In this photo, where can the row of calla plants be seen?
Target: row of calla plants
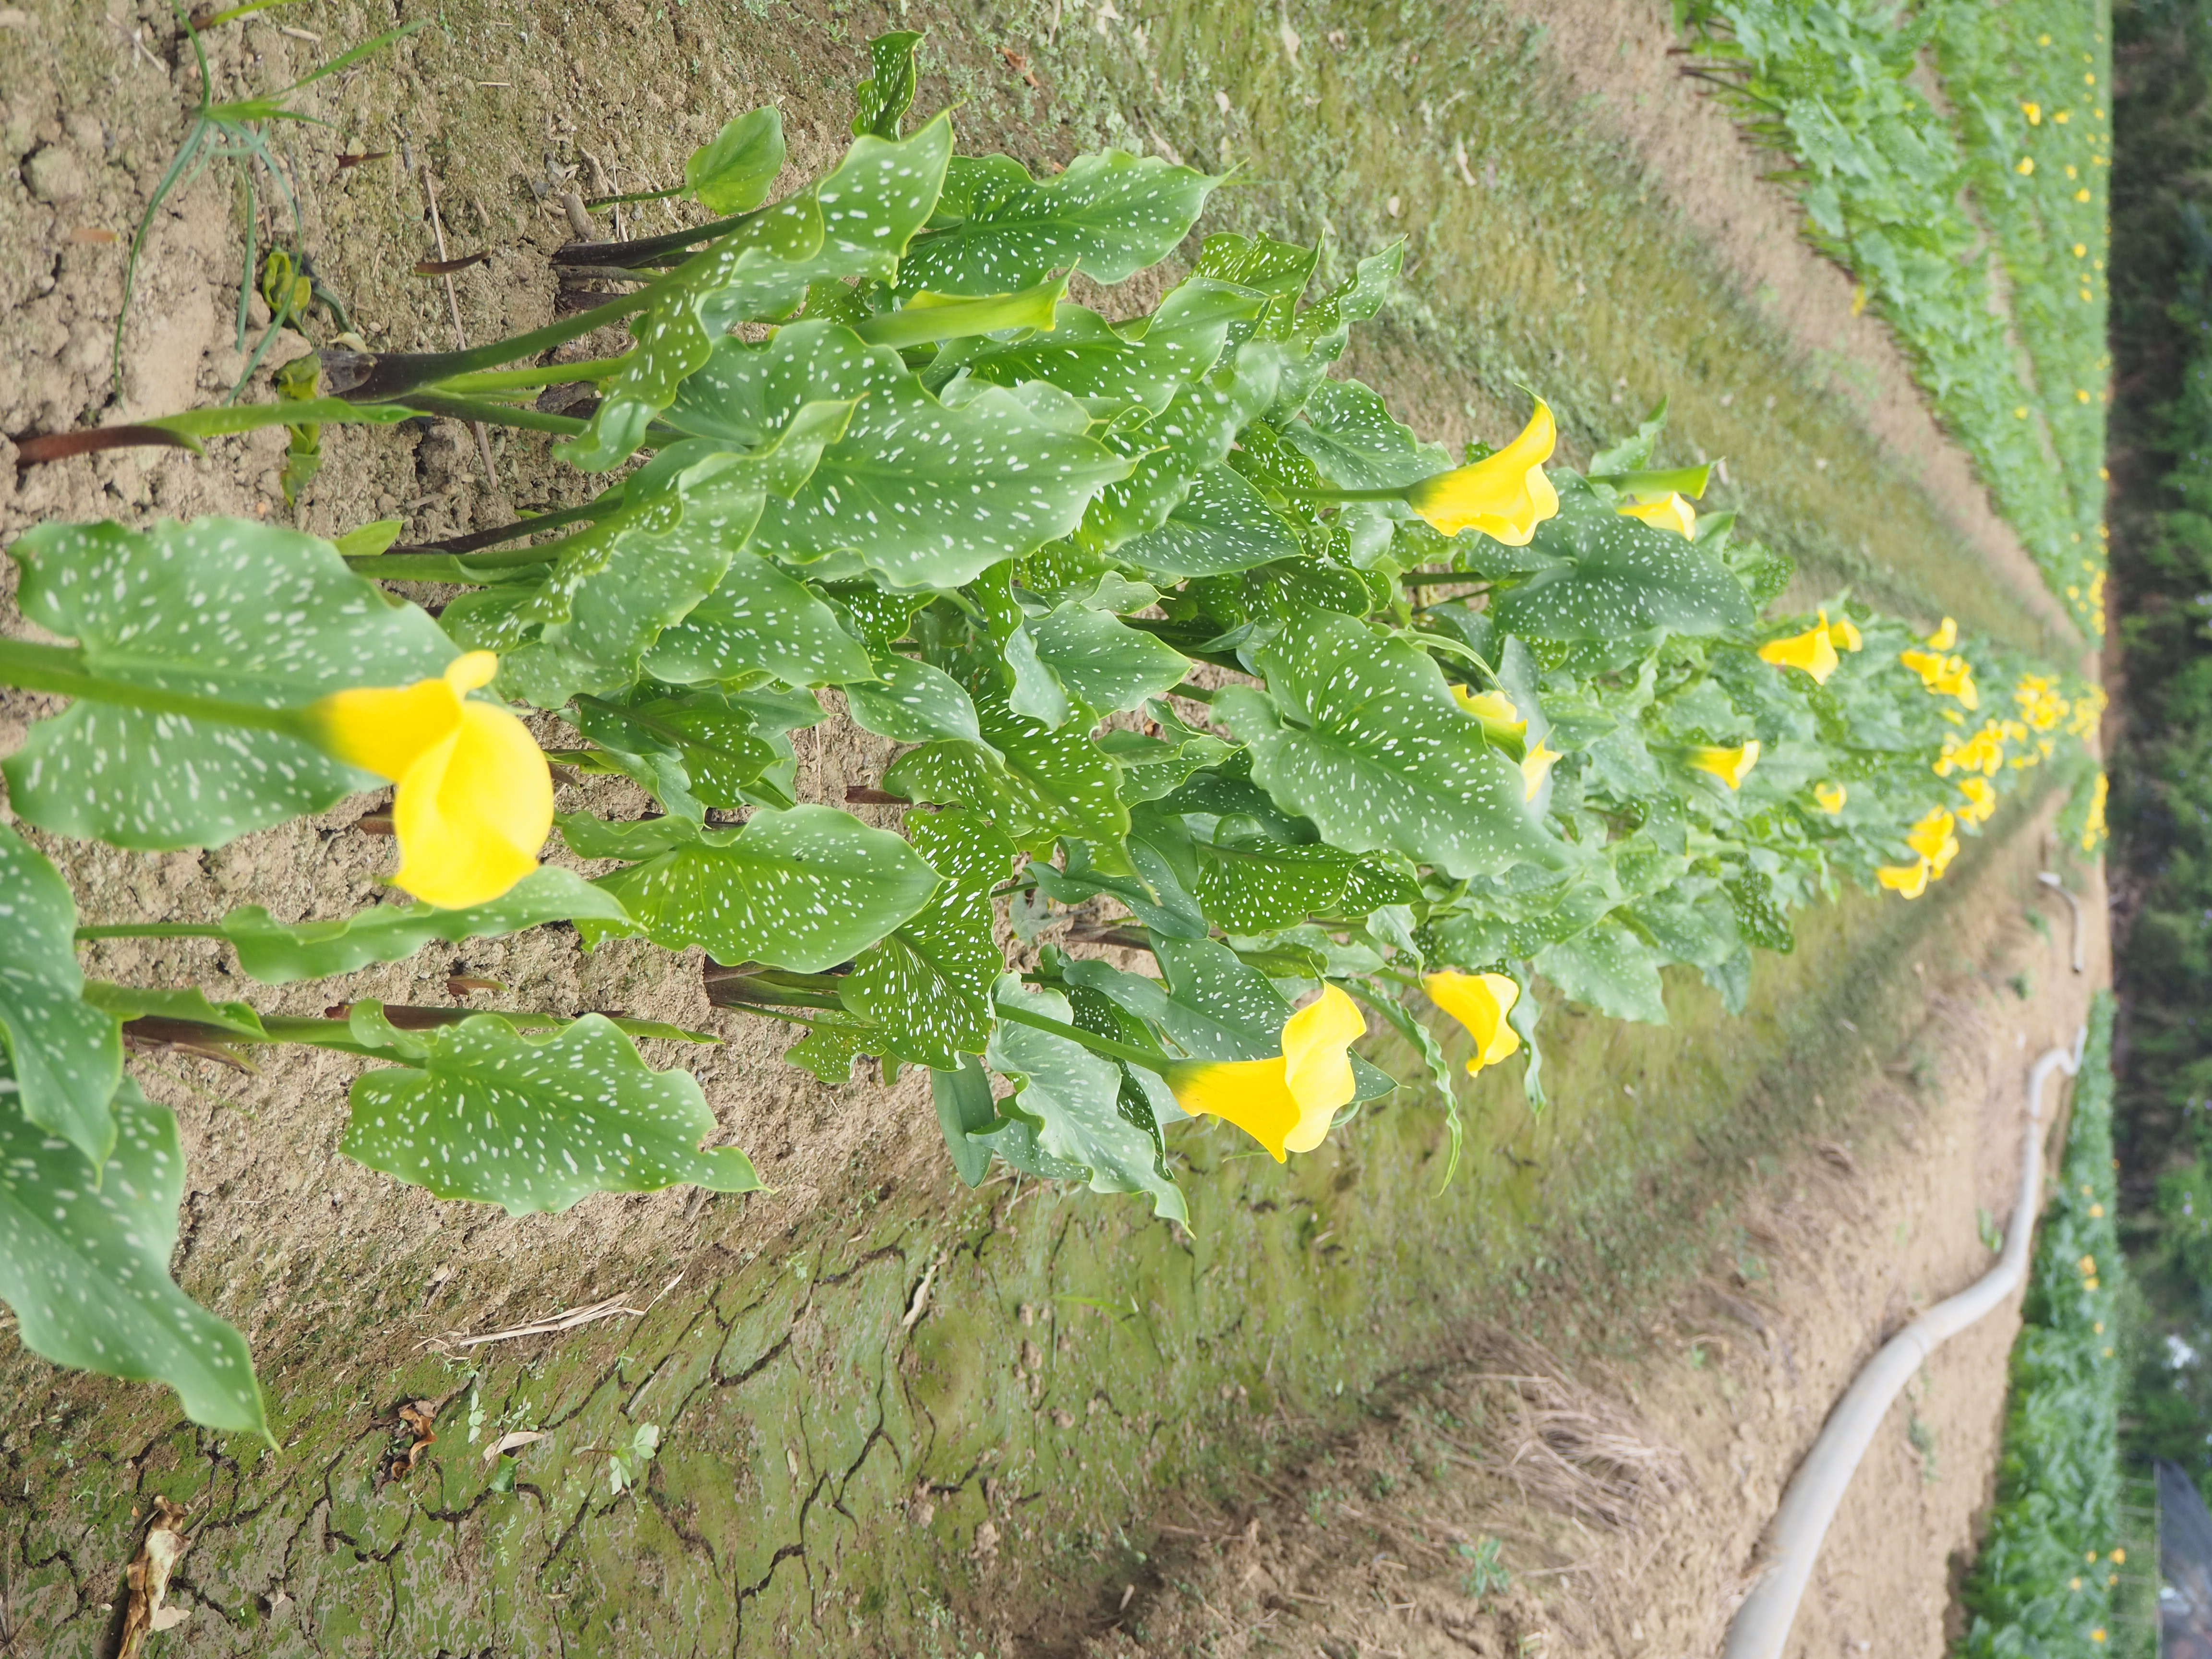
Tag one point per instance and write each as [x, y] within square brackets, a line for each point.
[1917, 200]
[1185, 646]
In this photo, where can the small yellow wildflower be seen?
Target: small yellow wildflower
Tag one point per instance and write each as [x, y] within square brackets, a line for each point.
[1481, 1002]
[1505, 495]
[2088, 1265]
[1286, 1104]
[475, 800]
[2024, 166]
[1730, 766]
[2034, 114]
[2094, 827]
[1832, 797]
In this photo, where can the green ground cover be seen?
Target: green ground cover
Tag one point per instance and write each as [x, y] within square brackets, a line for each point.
[2051, 1560]
[1961, 219]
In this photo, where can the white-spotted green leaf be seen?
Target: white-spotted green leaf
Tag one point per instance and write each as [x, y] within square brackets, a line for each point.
[1195, 431]
[84, 1261]
[1106, 665]
[1377, 753]
[1088, 357]
[1110, 214]
[695, 749]
[1071, 1098]
[1611, 970]
[250, 613]
[912, 702]
[759, 620]
[886, 96]
[1046, 781]
[925, 495]
[1221, 525]
[804, 889]
[1253, 885]
[647, 566]
[534, 1123]
[734, 172]
[856, 223]
[928, 988]
[279, 953]
[1623, 581]
[65, 1057]
[1351, 437]
[1323, 329]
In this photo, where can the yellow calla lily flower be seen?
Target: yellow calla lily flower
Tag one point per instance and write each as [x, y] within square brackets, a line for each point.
[1842, 634]
[1536, 765]
[1730, 766]
[1944, 637]
[1505, 495]
[1813, 651]
[1944, 676]
[1935, 838]
[1481, 1002]
[475, 800]
[1499, 714]
[1905, 880]
[1673, 514]
[1981, 799]
[1286, 1104]
[1832, 797]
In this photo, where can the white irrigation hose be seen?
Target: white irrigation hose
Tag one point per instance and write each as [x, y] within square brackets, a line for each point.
[1761, 1625]
[2072, 904]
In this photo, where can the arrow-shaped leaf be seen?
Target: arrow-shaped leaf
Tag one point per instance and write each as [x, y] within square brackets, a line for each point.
[804, 890]
[928, 988]
[533, 1124]
[84, 1261]
[1071, 1099]
[1110, 214]
[64, 1056]
[247, 612]
[1366, 741]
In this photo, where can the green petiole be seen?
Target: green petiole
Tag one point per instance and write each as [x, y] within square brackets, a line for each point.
[526, 380]
[60, 669]
[1097, 1045]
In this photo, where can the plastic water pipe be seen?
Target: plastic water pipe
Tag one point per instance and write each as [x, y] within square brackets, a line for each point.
[1761, 1625]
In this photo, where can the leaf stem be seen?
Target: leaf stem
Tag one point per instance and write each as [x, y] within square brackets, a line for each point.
[152, 930]
[493, 414]
[1107, 1046]
[543, 374]
[370, 378]
[60, 669]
